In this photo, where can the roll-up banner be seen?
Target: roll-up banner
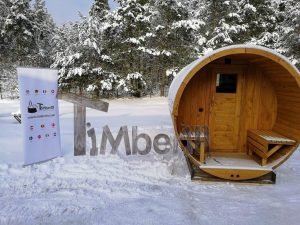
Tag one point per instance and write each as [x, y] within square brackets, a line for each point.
[39, 114]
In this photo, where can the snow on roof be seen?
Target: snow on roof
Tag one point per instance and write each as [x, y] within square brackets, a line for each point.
[186, 70]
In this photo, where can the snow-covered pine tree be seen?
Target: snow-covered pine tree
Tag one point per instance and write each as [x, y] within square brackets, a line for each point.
[84, 61]
[260, 17]
[3, 59]
[225, 25]
[135, 84]
[128, 28]
[173, 38]
[44, 31]
[71, 61]
[289, 34]
[99, 9]
[198, 13]
[4, 10]
[16, 41]
[18, 31]
[97, 37]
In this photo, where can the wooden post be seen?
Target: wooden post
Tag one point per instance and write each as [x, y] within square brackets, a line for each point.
[80, 104]
[84, 101]
[79, 130]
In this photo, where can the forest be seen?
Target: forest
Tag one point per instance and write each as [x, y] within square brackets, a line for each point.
[137, 49]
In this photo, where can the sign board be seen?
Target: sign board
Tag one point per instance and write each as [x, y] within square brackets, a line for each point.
[40, 115]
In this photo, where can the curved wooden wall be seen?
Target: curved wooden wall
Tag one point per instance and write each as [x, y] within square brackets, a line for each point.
[276, 75]
[258, 98]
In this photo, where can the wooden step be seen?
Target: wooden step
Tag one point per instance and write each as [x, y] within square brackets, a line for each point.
[198, 174]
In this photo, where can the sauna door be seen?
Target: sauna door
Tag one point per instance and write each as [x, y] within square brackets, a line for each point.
[225, 110]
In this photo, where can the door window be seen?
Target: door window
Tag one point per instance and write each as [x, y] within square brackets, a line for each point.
[226, 83]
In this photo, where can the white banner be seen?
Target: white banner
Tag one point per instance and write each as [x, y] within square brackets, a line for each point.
[39, 114]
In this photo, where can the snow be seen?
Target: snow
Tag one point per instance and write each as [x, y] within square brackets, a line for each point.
[154, 52]
[194, 24]
[226, 3]
[75, 71]
[159, 27]
[172, 72]
[106, 85]
[132, 40]
[122, 85]
[134, 76]
[91, 88]
[250, 7]
[234, 15]
[21, 17]
[119, 189]
[98, 70]
[106, 58]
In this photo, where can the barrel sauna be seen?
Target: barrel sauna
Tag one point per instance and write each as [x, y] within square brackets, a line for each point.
[236, 111]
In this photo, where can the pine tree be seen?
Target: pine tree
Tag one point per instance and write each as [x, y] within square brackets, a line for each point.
[18, 30]
[4, 74]
[175, 37]
[4, 10]
[127, 31]
[260, 17]
[71, 61]
[44, 31]
[225, 25]
[99, 9]
[84, 62]
[289, 16]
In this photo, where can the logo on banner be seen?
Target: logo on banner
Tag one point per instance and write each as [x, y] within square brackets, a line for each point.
[32, 108]
[45, 107]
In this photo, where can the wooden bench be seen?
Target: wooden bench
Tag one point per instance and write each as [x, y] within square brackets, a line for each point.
[196, 138]
[264, 143]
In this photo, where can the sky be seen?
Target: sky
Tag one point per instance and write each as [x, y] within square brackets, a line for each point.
[64, 11]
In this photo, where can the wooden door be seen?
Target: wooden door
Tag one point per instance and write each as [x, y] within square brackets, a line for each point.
[225, 110]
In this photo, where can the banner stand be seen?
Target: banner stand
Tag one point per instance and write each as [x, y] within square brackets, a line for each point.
[40, 115]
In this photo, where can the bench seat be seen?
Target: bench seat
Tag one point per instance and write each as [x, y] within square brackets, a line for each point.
[264, 143]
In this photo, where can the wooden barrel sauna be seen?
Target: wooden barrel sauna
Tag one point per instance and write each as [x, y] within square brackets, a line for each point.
[236, 111]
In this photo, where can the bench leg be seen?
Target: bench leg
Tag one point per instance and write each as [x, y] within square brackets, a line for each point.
[263, 161]
[202, 152]
[250, 152]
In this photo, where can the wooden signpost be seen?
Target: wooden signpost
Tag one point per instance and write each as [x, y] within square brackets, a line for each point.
[80, 104]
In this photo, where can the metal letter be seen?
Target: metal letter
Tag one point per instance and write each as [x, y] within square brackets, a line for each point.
[123, 132]
[135, 139]
[166, 143]
[92, 135]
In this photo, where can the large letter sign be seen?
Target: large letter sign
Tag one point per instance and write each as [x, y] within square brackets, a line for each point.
[39, 111]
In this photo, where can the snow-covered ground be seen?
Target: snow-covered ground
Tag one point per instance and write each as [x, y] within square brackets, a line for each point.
[120, 189]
